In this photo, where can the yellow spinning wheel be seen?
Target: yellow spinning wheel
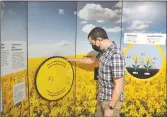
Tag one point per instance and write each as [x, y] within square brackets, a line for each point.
[54, 78]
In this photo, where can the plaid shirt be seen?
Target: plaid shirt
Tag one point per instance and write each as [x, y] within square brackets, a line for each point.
[111, 65]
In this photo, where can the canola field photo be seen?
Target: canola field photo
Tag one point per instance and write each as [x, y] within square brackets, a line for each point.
[142, 98]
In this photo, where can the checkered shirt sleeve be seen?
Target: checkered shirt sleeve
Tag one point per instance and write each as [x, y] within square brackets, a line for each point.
[117, 66]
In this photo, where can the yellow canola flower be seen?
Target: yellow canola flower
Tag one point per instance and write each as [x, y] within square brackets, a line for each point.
[147, 59]
[135, 59]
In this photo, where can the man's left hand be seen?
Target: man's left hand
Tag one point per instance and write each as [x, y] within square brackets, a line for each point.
[108, 112]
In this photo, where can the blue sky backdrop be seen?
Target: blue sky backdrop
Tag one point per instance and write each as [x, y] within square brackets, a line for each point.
[54, 26]
[51, 28]
[14, 21]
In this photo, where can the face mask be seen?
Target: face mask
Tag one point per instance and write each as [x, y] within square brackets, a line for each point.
[96, 48]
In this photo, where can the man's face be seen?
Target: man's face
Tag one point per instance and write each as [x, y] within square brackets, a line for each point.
[93, 42]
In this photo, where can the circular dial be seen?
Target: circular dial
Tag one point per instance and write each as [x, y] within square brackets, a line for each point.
[54, 78]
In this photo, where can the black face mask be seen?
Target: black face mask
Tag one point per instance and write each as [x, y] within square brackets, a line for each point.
[96, 48]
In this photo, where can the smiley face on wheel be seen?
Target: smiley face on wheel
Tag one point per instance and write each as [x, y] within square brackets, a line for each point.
[54, 78]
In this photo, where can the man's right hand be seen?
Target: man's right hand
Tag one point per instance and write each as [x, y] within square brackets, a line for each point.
[71, 59]
[82, 60]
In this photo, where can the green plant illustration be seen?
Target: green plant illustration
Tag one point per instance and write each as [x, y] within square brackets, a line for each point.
[148, 63]
[136, 61]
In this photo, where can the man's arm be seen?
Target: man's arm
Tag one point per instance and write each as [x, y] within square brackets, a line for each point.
[118, 82]
[118, 64]
[88, 60]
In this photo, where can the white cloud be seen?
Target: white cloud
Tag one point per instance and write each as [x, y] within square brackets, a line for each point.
[154, 11]
[141, 31]
[63, 43]
[124, 14]
[123, 20]
[61, 11]
[126, 4]
[128, 11]
[84, 22]
[118, 5]
[100, 21]
[11, 12]
[114, 29]
[87, 28]
[97, 12]
[128, 14]
[63, 48]
[139, 25]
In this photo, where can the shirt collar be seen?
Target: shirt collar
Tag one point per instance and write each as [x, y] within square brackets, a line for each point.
[113, 45]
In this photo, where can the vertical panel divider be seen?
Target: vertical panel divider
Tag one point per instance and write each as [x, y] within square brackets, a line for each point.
[166, 60]
[75, 98]
[0, 58]
[121, 26]
[27, 65]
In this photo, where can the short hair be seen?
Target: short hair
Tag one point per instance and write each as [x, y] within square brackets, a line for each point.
[97, 32]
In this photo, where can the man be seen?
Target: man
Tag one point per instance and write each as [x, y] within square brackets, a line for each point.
[110, 74]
